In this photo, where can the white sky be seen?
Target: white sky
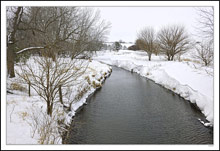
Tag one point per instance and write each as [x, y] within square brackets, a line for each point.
[127, 21]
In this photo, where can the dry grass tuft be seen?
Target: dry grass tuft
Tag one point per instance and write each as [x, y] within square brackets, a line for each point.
[16, 86]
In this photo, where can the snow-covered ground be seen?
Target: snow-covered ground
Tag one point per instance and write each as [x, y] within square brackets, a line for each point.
[27, 115]
[188, 77]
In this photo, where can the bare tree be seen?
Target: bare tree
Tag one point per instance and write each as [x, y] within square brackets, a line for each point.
[146, 40]
[93, 31]
[47, 76]
[54, 29]
[205, 29]
[173, 40]
[205, 21]
[204, 52]
[59, 26]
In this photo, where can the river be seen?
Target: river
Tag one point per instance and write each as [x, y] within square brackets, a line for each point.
[130, 109]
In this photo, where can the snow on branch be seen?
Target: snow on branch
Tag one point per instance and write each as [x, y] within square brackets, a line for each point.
[29, 48]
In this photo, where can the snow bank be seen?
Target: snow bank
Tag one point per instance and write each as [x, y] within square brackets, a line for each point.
[90, 81]
[188, 79]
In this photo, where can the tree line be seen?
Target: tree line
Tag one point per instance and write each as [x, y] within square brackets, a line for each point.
[170, 40]
[53, 30]
[173, 40]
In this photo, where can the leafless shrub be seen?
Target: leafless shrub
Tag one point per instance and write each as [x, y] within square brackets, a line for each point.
[46, 126]
[204, 52]
[46, 76]
[17, 86]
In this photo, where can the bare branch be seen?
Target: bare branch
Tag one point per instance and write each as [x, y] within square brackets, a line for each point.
[205, 27]
[29, 48]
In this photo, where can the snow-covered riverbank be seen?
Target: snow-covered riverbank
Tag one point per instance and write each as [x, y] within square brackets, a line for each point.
[188, 78]
[25, 113]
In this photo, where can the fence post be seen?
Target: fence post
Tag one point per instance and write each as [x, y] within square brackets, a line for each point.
[60, 93]
[29, 88]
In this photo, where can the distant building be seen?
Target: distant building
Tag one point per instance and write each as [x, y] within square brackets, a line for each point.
[133, 47]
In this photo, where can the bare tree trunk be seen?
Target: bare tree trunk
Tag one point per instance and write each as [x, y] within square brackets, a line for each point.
[168, 57]
[49, 108]
[60, 93]
[172, 57]
[11, 42]
[149, 57]
[29, 88]
[10, 60]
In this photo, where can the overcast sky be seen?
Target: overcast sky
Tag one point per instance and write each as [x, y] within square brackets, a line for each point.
[127, 21]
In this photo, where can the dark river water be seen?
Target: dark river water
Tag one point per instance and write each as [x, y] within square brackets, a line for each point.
[130, 109]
